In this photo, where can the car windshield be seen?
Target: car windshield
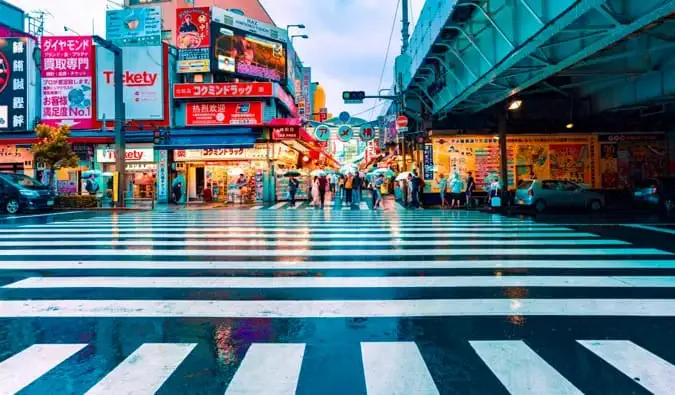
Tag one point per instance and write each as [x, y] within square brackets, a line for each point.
[525, 184]
[22, 181]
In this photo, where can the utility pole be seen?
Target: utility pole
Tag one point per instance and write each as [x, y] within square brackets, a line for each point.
[405, 30]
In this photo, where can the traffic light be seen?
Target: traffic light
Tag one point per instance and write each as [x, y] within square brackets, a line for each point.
[353, 96]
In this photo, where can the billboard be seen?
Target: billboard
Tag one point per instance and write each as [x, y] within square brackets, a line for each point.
[247, 24]
[193, 39]
[135, 26]
[13, 84]
[143, 83]
[218, 114]
[246, 54]
[222, 90]
[66, 73]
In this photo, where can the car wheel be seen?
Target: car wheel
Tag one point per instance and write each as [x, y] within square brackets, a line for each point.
[595, 205]
[12, 206]
[540, 206]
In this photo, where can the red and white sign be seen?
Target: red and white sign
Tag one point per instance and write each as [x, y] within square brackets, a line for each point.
[228, 114]
[402, 121]
[217, 91]
[258, 152]
[132, 154]
[66, 81]
[286, 133]
[287, 100]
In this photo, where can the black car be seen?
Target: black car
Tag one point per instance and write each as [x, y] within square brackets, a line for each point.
[22, 193]
[657, 193]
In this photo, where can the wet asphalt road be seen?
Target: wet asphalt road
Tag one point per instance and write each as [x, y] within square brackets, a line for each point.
[279, 301]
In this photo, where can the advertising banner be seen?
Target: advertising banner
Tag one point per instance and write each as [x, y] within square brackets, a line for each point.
[223, 90]
[132, 154]
[232, 113]
[247, 24]
[13, 84]
[258, 152]
[287, 100]
[163, 176]
[143, 83]
[193, 39]
[135, 26]
[626, 159]
[286, 133]
[428, 162]
[247, 54]
[66, 81]
[13, 154]
[306, 87]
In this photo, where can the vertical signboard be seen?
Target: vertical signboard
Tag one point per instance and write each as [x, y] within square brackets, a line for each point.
[193, 38]
[428, 162]
[135, 26]
[66, 81]
[307, 91]
[163, 177]
[13, 84]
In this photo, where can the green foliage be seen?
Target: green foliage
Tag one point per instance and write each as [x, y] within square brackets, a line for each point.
[52, 150]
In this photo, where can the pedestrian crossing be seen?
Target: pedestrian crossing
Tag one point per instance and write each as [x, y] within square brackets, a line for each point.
[405, 298]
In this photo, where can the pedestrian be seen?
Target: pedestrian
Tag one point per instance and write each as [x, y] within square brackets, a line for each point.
[242, 186]
[323, 183]
[443, 184]
[293, 185]
[470, 186]
[349, 184]
[405, 192]
[315, 192]
[341, 187]
[177, 192]
[333, 181]
[378, 185]
[494, 197]
[456, 188]
[414, 189]
[357, 185]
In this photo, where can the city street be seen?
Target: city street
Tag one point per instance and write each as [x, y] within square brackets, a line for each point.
[281, 301]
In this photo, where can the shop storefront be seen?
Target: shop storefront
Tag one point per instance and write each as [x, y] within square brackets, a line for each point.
[69, 180]
[15, 159]
[140, 173]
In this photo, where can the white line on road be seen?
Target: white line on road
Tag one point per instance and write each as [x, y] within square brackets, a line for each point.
[278, 206]
[41, 215]
[271, 369]
[395, 368]
[257, 207]
[303, 252]
[297, 229]
[144, 371]
[643, 367]
[27, 366]
[521, 370]
[395, 242]
[652, 228]
[336, 265]
[344, 282]
[337, 308]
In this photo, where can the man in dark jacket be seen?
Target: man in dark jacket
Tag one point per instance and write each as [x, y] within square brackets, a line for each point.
[357, 185]
[323, 184]
[415, 185]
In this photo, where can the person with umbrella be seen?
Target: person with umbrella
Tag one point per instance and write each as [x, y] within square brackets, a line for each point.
[293, 185]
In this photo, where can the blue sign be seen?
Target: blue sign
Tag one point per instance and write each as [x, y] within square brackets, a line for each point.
[428, 162]
[322, 133]
[367, 133]
[344, 117]
[345, 133]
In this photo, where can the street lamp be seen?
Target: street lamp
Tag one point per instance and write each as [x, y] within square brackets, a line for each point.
[299, 26]
[299, 36]
[67, 29]
[515, 105]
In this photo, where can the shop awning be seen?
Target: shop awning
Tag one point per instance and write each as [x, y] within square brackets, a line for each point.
[203, 139]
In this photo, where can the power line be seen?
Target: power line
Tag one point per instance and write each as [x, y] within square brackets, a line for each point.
[386, 54]
[369, 109]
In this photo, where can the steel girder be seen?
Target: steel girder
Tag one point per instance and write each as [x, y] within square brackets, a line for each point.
[510, 45]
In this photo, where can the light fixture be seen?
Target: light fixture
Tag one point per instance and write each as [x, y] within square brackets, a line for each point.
[515, 105]
[299, 36]
[569, 125]
[305, 159]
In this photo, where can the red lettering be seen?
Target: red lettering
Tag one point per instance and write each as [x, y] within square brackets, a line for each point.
[132, 79]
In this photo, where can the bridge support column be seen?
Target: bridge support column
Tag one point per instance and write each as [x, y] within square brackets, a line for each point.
[503, 168]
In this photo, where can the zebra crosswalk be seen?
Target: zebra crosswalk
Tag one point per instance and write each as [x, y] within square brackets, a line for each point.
[299, 301]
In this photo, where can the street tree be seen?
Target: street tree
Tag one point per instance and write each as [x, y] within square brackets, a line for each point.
[52, 150]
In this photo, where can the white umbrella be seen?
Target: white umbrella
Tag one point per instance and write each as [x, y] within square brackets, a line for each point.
[318, 173]
[403, 176]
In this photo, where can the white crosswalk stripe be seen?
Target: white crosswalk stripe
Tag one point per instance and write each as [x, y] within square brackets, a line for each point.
[418, 264]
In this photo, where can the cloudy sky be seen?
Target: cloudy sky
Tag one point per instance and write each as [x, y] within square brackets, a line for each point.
[346, 49]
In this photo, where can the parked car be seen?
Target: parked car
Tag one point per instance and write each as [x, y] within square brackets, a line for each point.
[542, 194]
[657, 193]
[22, 193]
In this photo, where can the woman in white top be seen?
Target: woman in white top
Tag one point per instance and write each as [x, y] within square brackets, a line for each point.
[315, 193]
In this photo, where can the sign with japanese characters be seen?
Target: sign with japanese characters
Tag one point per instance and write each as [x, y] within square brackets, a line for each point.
[163, 176]
[322, 132]
[143, 83]
[367, 133]
[259, 152]
[428, 161]
[140, 26]
[66, 81]
[223, 90]
[13, 84]
[286, 133]
[13, 154]
[231, 114]
[345, 133]
[287, 100]
[193, 39]
[306, 88]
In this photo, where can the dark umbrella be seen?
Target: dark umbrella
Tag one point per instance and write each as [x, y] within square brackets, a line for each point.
[292, 173]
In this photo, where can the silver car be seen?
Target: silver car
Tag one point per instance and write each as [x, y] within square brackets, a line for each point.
[541, 194]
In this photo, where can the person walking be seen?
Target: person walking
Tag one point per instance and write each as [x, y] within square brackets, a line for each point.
[341, 187]
[470, 186]
[378, 183]
[443, 184]
[323, 183]
[349, 184]
[414, 189]
[293, 185]
[494, 198]
[456, 188]
[242, 186]
[315, 192]
[357, 185]
[333, 181]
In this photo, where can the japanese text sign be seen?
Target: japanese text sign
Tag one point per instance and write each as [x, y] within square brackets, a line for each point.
[66, 81]
[259, 152]
[345, 133]
[13, 84]
[193, 39]
[322, 132]
[222, 90]
[13, 154]
[232, 113]
[286, 133]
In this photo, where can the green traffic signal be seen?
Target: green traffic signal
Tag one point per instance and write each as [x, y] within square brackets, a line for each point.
[353, 95]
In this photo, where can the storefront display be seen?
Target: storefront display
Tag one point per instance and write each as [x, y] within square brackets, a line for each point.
[15, 160]
[140, 169]
[628, 158]
[222, 181]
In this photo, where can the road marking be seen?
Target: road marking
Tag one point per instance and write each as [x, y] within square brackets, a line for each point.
[395, 368]
[364, 206]
[40, 215]
[393, 243]
[318, 222]
[21, 369]
[520, 369]
[337, 308]
[651, 372]
[271, 369]
[399, 206]
[652, 228]
[303, 236]
[297, 228]
[329, 253]
[278, 206]
[337, 265]
[297, 206]
[145, 370]
[345, 282]
[257, 207]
